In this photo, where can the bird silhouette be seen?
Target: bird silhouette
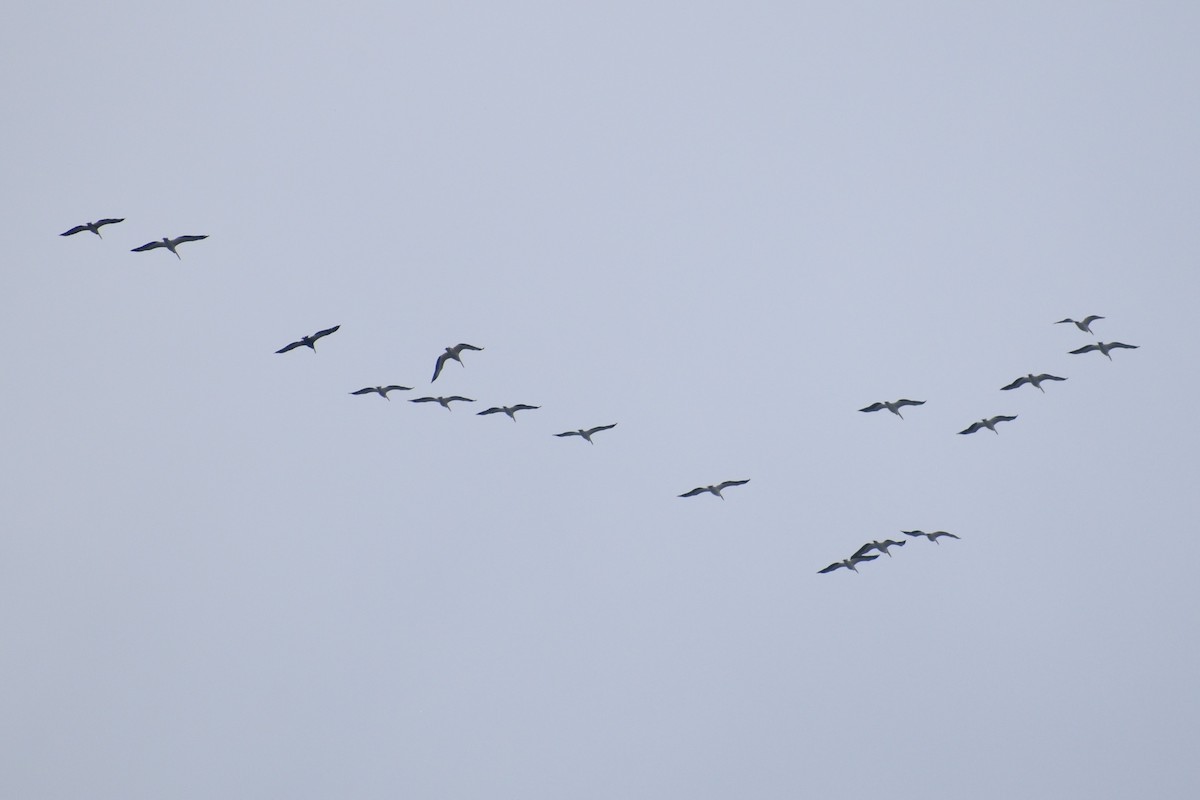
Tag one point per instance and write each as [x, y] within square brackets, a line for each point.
[308, 341]
[1033, 380]
[451, 353]
[1104, 347]
[94, 227]
[893, 406]
[443, 401]
[932, 536]
[848, 563]
[382, 391]
[989, 423]
[1084, 324]
[587, 434]
[714, 489]
[170, 244]
[511, 411]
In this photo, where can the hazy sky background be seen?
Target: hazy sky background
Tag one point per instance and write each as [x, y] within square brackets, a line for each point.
[724, 226]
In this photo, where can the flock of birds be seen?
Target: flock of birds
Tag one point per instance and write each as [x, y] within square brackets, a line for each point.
[454, 353]
[862, 554]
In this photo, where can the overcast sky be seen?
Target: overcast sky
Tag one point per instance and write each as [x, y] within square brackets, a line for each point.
[725, 227]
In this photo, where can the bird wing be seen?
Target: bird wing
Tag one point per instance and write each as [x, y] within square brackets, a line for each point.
[456, 397]
[1090, 319]
[909, 403]
[523, 407]
[831, 567]
[147, 246]
[1003, 419]
[437, 369]
[866, 548]
[74, 230]
[100, 222]
[1087, 348]
[291, 346]
[182, 239]
[727, 484]
[1018, 382]
[913, 533]
[601, 428]
[387, 389]
[864, 558]
[890, 542]
[319, 334]
[974, 426]
[694, 492]
[425, 400]
[939, 534]
[1048, 377]
[492, 410]
[1122, 344]
[1061, 321]
[464, 346]
[873, 407]
[569, 433]
[367, 390]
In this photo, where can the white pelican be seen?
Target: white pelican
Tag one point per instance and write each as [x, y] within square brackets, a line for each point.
[308, 341]
[443, 401]
[893, 406]
[933, 537]
[714, 489]
[511, 411]
[382, 391]
[1104, 347]
[880, 546]
[170, 244]
[94, 227]
[451, 352]
[1034, 380]
[848, 563]
[1084, 324]
[989, 423]
[587, 434]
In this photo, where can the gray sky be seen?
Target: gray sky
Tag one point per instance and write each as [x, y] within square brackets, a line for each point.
[725, 227]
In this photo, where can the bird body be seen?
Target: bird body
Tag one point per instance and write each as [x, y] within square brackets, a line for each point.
[382, 391]
[451, 353]
[587, 434]
[309, 341]
[94, 227]
[1034, 380]
[880, 546]
[170, 244]
[893, 406]
[511, 411]
[714, 489]
[1104, 347]
[1084, 324]
[932, 536]
[443, 401]
[848, 563]
[989, 423]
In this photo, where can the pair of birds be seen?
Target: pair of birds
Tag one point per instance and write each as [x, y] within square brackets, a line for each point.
[1104, 348]
[166, 242]
[990, 423]
[860, 555]
[454, 353]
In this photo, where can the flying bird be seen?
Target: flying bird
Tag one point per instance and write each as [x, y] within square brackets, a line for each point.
[94, 227]
[933, 537]
[880, 546]
[989, 423]
[1034, 380]
[443, 401]
[382, 391]
[308, 341]
[893, 406]
[1104, 347]
[511, 411]
[451, 352]
[170, 244]
[587, 434]
[714, 489]
[848, 563]
[1084, 324]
